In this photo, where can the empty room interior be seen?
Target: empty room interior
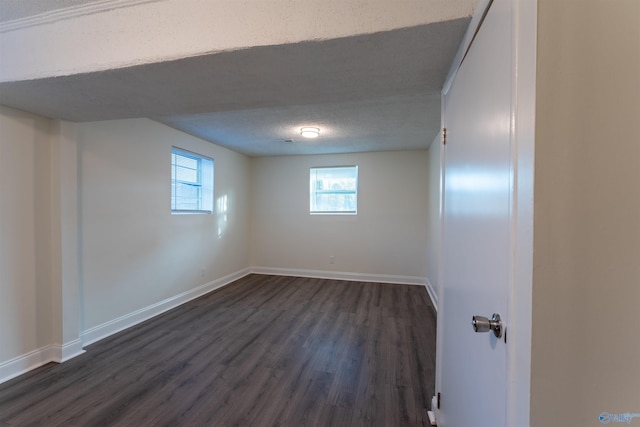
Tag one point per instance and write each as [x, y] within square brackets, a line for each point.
[319, 213]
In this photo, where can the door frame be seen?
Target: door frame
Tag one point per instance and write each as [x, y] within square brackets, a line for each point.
[523, 79]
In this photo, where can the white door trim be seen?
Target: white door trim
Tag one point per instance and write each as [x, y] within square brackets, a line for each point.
[524, 21]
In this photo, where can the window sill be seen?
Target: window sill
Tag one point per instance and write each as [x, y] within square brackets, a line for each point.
[191, 212]
[334, 213]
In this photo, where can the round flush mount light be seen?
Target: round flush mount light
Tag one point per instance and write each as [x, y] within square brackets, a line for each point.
[309, 132]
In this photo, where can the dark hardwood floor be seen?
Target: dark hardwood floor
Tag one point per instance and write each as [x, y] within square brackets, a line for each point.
[263, 351]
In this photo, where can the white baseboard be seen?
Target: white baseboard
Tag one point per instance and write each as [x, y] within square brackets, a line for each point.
[106, 329]
[26, 362]
[62, 353]
[432, 294]
[34, 359]
[341, 275]
[111, 327]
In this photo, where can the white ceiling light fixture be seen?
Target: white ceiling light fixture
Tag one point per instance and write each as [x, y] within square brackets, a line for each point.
[309, 132]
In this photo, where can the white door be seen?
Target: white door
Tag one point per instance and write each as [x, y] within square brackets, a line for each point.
[476, 228]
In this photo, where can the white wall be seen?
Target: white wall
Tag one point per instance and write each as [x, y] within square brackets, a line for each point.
[64, 240]
[586, 290]
[134, 253]
[25, 234]
[434, 229]
[387, 237]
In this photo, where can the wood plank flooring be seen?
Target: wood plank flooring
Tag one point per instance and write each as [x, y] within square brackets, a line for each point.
[263, 351]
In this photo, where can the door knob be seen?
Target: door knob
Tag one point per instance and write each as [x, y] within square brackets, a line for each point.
[482, 324]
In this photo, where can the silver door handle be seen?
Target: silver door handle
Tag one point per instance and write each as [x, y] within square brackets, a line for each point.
[482, 324]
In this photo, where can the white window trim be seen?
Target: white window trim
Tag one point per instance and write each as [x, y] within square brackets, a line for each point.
[206, 188]
[340, 213]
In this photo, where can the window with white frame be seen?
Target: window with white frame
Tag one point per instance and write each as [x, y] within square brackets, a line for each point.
[333, 190]
[191, 182]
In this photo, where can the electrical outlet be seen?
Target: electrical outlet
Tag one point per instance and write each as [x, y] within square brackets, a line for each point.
[332, 260]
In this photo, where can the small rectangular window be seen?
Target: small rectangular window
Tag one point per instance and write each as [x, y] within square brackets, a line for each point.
[191, 182]
[333, 190]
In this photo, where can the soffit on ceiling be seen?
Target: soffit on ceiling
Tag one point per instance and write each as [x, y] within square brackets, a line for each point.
[374, 92]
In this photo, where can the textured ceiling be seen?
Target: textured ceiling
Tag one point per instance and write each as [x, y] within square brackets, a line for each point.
[399, 122]
[375, 92]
